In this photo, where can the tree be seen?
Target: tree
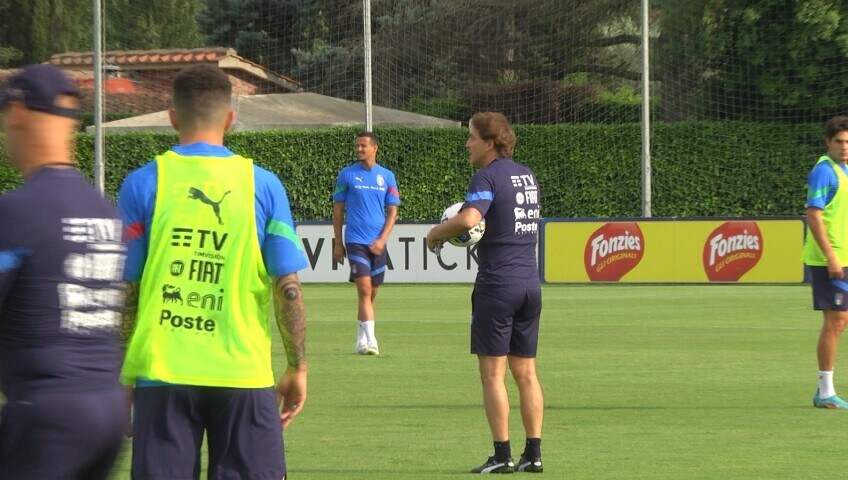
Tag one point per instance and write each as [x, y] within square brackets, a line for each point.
[40, 28]
[426, 51]
[9, 55]
[33, 30]
[265, 31]
[441, 47]
[152, 24]
[752, 59]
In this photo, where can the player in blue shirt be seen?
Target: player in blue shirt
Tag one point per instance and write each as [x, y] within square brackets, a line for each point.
[367, 194]
[243, 424]
[826, 253]
[61, 295]
[506, 303]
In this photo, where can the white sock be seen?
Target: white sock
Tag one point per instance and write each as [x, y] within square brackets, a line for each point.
[368, 325]
[361, 335]
[826, 384]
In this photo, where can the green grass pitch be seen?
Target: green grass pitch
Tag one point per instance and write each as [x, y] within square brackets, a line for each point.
[641, 382]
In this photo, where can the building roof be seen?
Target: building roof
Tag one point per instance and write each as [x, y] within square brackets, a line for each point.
[170, 59]
[289, 111]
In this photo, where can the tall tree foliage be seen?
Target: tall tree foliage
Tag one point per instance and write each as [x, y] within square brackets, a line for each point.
[40, 28]
[152, 24]
[265, 31]
[33, 30]
[426, 47]
[753, 59]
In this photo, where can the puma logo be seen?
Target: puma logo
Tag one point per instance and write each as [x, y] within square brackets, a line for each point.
[197, 194]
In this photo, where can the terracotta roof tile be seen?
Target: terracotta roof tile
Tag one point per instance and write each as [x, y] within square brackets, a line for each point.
[119, 57]
[169, 59]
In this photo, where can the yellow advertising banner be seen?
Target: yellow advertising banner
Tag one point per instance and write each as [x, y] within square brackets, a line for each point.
[695, 251]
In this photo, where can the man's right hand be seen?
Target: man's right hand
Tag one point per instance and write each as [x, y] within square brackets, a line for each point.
[129, 395]
[339, 253]
[291, 394]
[834, 269]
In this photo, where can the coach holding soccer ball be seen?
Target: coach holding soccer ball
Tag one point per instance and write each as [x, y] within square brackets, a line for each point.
[507, 300]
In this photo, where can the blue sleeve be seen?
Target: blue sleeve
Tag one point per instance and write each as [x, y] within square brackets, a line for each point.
[821, 186]
[480, 193]
[282, 250]
[340, 192]
[136, 201]
[392, 192]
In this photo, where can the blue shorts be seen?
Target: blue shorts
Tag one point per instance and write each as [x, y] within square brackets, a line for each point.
[51, 436]
[829, 293]
[242, 428]
[363, 263]
[505, 320]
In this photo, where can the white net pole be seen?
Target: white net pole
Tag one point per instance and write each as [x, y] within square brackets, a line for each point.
[99, 176]
[366, 18]
[646, 114]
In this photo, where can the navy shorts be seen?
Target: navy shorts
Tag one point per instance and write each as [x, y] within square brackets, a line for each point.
[52, 436]
[242, 428]
[829, 293]
[505, 320]
[363, 263]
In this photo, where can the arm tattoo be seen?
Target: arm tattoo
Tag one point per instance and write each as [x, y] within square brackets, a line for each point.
[291, 317]
[130, 312]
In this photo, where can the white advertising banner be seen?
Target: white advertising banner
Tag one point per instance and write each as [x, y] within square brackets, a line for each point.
[409, 261]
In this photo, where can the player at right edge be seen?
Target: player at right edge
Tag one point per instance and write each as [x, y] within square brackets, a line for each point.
[506, 303]
[826, 253]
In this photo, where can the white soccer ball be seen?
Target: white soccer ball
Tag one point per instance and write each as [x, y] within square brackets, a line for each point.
[466, 239]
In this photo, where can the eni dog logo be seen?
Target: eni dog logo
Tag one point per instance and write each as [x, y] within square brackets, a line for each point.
[732, 250]
[613, 250]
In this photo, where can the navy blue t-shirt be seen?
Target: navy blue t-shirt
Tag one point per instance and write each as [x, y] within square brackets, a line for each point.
[61, 296]
[507, 194]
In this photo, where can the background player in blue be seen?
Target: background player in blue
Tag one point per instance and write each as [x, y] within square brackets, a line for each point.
[61, 260]
[368, 194]
[243, 424]
[826, 253]
[507, 300]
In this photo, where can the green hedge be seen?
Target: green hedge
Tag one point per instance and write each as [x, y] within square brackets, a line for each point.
[585, 170]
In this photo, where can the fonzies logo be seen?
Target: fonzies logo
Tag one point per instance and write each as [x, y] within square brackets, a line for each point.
[731, 250]
[613, 250]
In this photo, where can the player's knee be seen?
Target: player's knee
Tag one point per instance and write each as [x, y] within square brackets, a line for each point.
[837, 320]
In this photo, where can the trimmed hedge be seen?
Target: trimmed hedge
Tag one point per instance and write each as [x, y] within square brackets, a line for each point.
[585, 170]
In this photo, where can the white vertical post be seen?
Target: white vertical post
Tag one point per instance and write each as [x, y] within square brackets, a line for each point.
[646, 114]
[99, 176]
[366, 18]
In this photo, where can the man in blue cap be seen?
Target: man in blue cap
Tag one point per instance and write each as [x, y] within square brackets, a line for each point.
[61, 264]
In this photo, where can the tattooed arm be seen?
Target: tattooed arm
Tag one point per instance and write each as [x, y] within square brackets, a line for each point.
[291, 320]
[128, 316]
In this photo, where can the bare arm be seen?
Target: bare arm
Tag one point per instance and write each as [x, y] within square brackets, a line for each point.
[128, 320]
[816, 224]
[379, 245]
[130, 313]
[291, 320]
[338, 221]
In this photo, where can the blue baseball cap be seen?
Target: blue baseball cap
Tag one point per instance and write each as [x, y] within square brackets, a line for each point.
[38, 87]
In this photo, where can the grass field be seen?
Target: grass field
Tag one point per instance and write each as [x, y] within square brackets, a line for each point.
[653, 382]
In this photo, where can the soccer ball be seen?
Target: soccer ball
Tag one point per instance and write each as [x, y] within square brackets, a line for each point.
[466, 239]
